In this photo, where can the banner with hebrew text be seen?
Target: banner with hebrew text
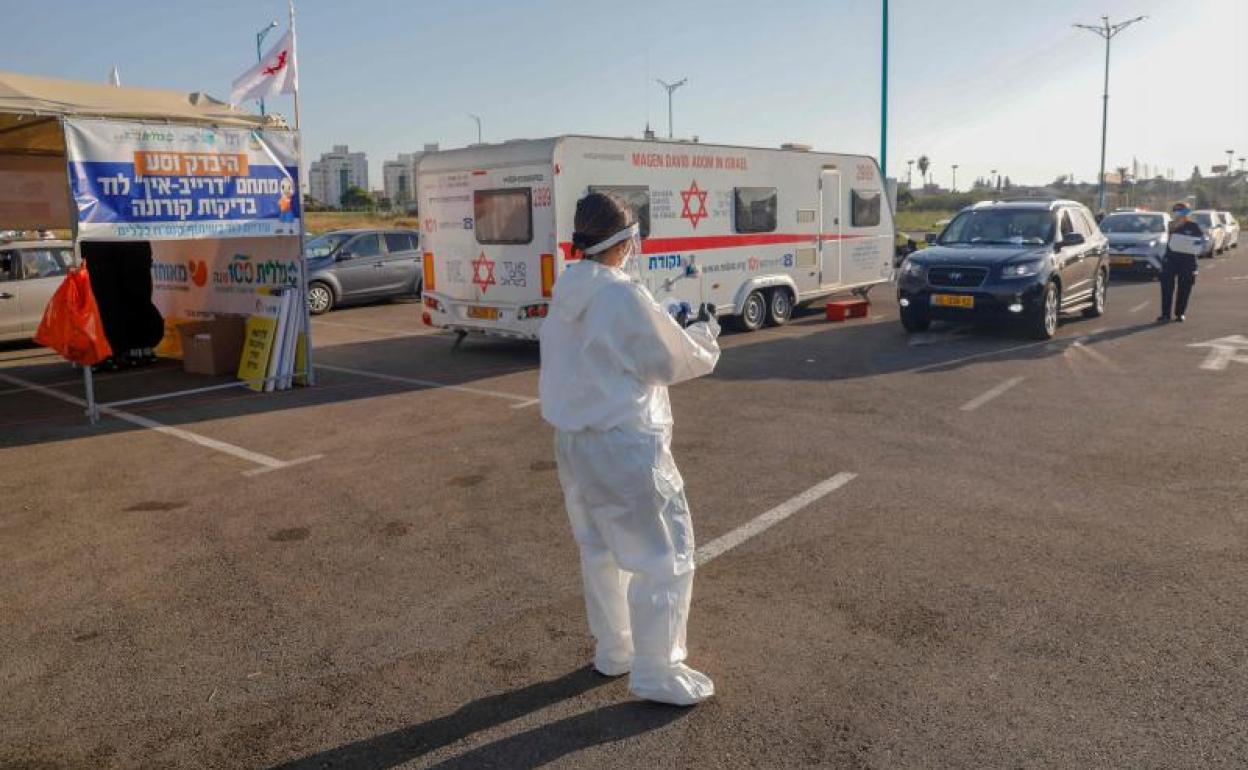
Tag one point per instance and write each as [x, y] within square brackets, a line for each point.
[153, 182]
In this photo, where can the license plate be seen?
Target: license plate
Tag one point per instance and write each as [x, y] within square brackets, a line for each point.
[483, 313]
[953, 300]
[1124, 261]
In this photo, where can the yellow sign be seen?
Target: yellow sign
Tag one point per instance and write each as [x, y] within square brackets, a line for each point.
[257, 347]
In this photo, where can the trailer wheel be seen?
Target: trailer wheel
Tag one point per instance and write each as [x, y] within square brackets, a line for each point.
[779, 307]
[753, 313]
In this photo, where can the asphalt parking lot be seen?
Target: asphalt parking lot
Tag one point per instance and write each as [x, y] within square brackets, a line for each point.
[1016, 554]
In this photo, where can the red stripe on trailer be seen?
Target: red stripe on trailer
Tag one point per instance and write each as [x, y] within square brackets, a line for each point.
[708, 242]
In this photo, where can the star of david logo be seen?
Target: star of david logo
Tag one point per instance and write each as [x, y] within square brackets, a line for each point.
[689, 196]
[483, 272]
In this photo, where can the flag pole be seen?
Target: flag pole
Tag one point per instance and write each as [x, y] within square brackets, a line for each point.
[309, 375]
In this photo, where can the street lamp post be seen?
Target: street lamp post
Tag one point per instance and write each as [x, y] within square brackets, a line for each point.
[1106, 31]
[671, 89]
[260, 36]
[884, 96]
[478, 119]
[910, 174]
[996, 180]
[954, 186]
[1230, 165]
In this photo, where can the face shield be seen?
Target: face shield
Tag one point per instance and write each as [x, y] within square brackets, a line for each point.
[630, 234]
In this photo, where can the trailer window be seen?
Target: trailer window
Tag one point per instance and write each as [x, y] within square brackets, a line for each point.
[755, 209]
[866, 208]
[503, 216]
[637, 197]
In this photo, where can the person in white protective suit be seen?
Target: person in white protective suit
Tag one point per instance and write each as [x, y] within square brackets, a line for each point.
[609, 351]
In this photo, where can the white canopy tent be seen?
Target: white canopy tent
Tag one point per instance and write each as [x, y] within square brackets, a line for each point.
[210, 187]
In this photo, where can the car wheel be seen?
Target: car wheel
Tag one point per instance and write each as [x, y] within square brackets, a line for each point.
[1044, 319]
[1098, 297]
[914, 320]
[753, 313]
[320, 298]
[779, 307]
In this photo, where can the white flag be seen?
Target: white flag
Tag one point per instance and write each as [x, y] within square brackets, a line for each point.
[275, 74]
[114, 77]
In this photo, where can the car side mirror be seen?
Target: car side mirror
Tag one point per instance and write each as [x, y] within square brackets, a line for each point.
[929, 238]
[1072, 239]
[343, 256]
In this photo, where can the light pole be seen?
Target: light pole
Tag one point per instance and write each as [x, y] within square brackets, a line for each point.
[996, 180]
[671, 88]
[478, 119]
[884, 96]
[910, 174]
[1106, 31]
[1230, 154]
[260, 36]
[954, 187]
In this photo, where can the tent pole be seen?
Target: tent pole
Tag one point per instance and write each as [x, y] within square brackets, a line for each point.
[88, 379]
[93, 409]
[309, 375]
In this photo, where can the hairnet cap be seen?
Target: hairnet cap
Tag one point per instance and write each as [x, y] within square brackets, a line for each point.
[1180, 206]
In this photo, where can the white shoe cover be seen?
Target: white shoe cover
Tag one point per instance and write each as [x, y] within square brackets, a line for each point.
[608, 667]
[679, 685]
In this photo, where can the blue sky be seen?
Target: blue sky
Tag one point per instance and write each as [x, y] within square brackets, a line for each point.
[982, 83]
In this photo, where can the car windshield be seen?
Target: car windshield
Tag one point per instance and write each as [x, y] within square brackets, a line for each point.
[325, 245]
[1133, 223]
[1000, 226]
[1203, 220]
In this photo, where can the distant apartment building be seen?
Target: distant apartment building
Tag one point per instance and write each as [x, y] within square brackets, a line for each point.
[399, 176]
[329, 177]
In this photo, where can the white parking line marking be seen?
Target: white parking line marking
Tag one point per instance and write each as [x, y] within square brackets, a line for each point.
[265, 462]
[1100, 357]
[974, 356]
[522, 401]
[984, 398]
[724, 543]
[1139, 307]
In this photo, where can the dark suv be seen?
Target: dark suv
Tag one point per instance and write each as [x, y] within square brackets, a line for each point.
[1024, 261]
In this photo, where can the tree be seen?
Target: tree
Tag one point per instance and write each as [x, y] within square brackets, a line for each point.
[357, 198]
[1061, 181]
[1006, 184]
[924, 164]
[1196, 173]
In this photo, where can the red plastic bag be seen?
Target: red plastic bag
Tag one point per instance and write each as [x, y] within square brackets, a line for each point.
[71, 323]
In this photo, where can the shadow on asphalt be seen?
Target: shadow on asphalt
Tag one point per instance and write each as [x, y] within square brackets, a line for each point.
[826, 353]
[28, 418]
[532, 748]
[849, 351]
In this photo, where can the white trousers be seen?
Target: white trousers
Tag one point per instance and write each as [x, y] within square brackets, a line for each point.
[626, 503]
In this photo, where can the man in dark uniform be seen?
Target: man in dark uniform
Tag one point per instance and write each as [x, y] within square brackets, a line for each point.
[1178, 268]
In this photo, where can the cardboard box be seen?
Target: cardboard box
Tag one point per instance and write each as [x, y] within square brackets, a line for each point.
[212, 347]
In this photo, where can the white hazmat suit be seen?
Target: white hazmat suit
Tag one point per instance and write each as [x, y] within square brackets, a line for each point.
[609, 351]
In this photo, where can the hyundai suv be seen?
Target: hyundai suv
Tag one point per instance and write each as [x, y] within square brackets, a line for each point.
[1021, 261]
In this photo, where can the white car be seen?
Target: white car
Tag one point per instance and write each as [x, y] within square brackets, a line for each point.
[30, 273]
[1211, 225]
[1231, 227]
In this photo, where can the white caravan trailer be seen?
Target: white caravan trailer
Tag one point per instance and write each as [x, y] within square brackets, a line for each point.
[752, 230]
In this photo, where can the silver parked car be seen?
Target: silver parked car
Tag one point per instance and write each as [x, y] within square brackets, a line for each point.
[361, 265]
[1137, 240]
[30, 273]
